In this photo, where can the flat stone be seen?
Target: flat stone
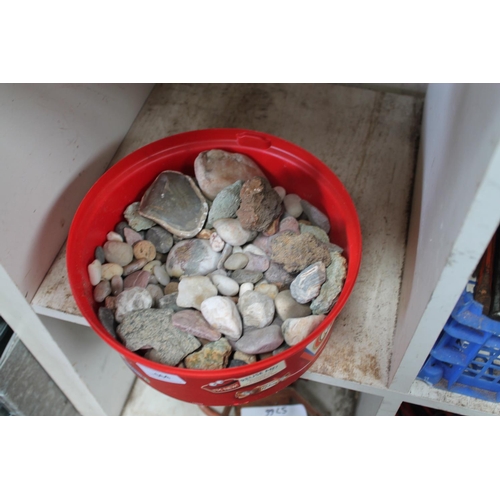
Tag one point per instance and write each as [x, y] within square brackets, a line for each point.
[295, 330]
[153, 329]
[287, 307]
[213, 356]
[144, 249]
[174, 201]
[156, 294]
[131, 236]
[256, 262]
[296, 252]
[225, 203]
[169, 301]
[257, 309]
[225, 285]
[130, 300]
[222, 314]
[135, 265]
[277, 275]
[138, 279]
[243, 276]
[236, 261]
[335, 276]
[260, 205]
[109, 270]
[118, 252]
[307, 285]
[116, 285]
[160, 238]
[217, 169]
[194, 323]
[231, 231]
[292, 204]
[107, 319]
[316, 231]
[95, 272]
[135, 220]
[102, 290]
[316, 216]
[259, 340]
[192, 257]
[193, 290]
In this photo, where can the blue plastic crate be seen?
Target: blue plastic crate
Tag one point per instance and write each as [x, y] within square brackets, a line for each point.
[466, 356]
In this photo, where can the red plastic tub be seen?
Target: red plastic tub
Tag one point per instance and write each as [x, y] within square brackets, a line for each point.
[285, 164]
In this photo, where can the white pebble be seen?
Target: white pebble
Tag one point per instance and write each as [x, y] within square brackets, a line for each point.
[293, 205]
[225, 285]
[112, 236]
[254, 249]
[246, 287]
[237, 250]
[95, 272]
[161, 275]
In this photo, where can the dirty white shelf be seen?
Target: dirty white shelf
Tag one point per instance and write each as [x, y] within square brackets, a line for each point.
[370, 140]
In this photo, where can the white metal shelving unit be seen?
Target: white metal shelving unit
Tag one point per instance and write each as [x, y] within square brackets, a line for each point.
[409, 280]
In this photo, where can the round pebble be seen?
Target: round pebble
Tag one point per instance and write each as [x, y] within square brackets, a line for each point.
[287, 307]
[246, 287]
[138, 279]
[95, 272]
[99, 254]
[144, 249]
[131, 236]
[110, 270]
[118, 252]
[161, 239]
[151, 265]
[161, 275]
[102, 290]
[267, 289]
[231, 232]
[193, 290]
[236, 261]
[225, 285]
[293, 205]
[256, 309]
[156, 293]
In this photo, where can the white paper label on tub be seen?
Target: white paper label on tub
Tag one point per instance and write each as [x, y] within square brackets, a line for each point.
[165, 377]
[274, 411]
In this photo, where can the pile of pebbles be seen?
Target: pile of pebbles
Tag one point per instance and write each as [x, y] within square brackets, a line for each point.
[216, 271]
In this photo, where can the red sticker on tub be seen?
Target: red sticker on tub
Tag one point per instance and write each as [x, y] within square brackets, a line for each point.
[232, 384]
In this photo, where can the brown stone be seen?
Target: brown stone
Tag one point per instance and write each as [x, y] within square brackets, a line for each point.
[297, 251]
[144, 249]
[260, 205]
[172, 287]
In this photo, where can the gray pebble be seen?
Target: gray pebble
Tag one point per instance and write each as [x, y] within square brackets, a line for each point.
[161, 275]
[259, 340]
[316, 216]
[118, 252]
[161, 239]
[135, 220]
[242, 276]
[107, 318]
[287, 307]
[236, 261]
[99, 254]
[102, 290]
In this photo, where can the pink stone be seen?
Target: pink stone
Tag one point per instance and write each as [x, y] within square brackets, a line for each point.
[137, 279]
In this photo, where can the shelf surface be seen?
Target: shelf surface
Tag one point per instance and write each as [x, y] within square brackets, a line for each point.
[368, 138]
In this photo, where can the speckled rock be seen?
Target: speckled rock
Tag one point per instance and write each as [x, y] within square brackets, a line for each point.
[316, 231]
[213, 356]
[137, 279]
[222, 314]
[287, 307]
[135, 220]
[295, 330]
[296, 252]
[192, 257]
[243, 276]
[217, 169]
[194, 323]
[131, 300]
[335, 276]
[160, 238]
[174, 202]
[231, 231]
[118, 252]
[257, 309]
[144, 249]
[316, 216]
[307, 285]
[260, 204]
[259, 340]
[153, 328]
[193, 290]
[225, 203]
